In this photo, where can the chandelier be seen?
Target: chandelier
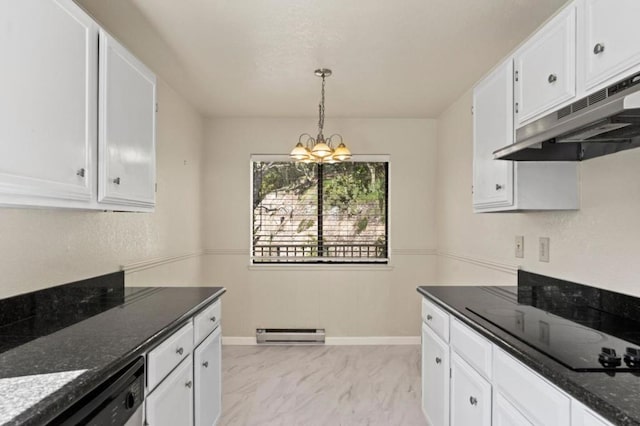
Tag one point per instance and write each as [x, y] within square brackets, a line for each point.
[320, 149]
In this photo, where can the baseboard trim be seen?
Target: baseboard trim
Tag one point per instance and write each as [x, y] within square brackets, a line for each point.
[155, 262]
[373, 340]
[496, 266]
[238, 341]
[337, 341]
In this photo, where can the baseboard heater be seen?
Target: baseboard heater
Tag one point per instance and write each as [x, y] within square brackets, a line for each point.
[290, 336]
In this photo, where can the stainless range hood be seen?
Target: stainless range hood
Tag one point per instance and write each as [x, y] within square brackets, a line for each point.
[603, 123]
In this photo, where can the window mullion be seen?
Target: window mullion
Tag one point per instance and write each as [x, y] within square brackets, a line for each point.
[319, 212]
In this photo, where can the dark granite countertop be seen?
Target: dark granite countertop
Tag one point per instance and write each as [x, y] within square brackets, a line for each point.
[81, 345]
[614, 397]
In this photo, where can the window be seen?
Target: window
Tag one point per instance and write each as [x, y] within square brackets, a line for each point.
[319, 213]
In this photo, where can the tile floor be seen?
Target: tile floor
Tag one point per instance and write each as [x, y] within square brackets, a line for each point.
[321, 385]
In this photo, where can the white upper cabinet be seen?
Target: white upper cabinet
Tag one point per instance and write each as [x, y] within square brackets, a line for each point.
[611, 34]
[546, 68]
[127, 128]
[493, 129]
[48, 103]
[500, 185]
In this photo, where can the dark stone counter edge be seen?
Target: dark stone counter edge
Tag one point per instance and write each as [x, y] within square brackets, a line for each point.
[598, 405]
[51, 406]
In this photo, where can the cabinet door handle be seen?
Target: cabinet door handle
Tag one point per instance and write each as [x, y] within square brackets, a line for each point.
[180, 351]
[517, 107]
[438, 360]
[473, 400]
[205, 364]
[429, 317]
[117, 181]
[499, 187]
[598, 48]
[81, 172]
[189, 384]
[213, 319]
[552, 78]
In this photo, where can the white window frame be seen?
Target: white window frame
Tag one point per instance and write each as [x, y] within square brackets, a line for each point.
[381, 263]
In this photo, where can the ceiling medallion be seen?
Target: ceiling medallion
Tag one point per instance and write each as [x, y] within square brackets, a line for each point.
[320, 149]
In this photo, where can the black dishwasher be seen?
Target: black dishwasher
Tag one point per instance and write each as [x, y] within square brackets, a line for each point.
[113, 402]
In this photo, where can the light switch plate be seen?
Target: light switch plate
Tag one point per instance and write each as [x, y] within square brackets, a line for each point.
[520, 246]
[543, 251]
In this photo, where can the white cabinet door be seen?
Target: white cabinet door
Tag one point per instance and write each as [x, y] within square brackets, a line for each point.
[493, 129]
[470, 395]
[435, 378]
[540, 402]
[505, 414]
[208, 377]
[611, 34]
[582, 416]
[48, 103]
[171, 403]
[127, 152]
[546, 68]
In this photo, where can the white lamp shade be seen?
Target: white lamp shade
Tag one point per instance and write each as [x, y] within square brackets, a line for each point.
[342, 153]
[321, 150]
[299, 152]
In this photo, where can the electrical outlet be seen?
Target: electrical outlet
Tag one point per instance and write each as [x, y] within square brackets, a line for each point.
[520, 246]
[543, 250]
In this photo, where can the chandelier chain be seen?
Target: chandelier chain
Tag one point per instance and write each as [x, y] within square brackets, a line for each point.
[320, 149]
[321, 110]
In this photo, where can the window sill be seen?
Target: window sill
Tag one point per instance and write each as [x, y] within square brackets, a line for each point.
[352, 267]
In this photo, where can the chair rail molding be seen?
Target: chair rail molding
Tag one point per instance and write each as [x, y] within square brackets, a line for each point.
[489, 264]
[157, 261]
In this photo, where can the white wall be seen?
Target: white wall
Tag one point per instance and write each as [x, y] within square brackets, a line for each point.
[596, 245]
[347, 300]
[44, 247]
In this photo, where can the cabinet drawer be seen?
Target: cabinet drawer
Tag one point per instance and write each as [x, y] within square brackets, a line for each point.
[539, 401]
[472, 347]
[168, 354]
[436, 319]
[206, 321]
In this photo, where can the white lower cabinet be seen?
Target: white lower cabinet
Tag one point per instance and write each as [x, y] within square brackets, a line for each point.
[435, 378]
[538, 400]
[171, 403]
[470, 395]
[207, 373]
[184, 385]
[582, 416]
[471, 381]
[505, 414]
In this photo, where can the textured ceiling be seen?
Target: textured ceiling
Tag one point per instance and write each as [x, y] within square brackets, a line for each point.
[390, 58]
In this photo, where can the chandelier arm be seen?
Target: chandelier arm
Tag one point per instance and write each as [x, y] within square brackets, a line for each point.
[329, 139]
[310, 140]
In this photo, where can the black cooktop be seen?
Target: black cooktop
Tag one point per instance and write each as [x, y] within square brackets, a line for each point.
[581, 327]
[576, 346]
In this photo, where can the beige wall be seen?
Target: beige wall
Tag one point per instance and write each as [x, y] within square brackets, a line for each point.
[596, 245]
[44, 247]
[349, 300]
